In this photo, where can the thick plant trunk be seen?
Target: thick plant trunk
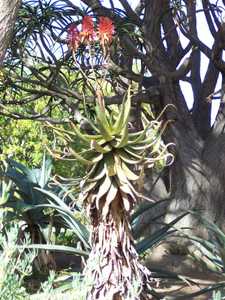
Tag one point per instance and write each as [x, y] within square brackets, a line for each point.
[213, 158]
[197, 177]
[199, 185]
[113, 266]
[198, 174]
[187, 173]
[8, 14]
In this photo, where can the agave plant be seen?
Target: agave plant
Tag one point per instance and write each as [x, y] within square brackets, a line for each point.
[210, 252]
[24, 196]
[115, 158]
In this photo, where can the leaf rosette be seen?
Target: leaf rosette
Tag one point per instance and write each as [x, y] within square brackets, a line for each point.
[114, 156]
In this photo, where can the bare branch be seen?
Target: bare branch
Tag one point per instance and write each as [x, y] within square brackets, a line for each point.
[215, 18]
[99, 9]
[206, 9]
[17, 116]
[130, 12]
[30, 99]
[218, 48]
[139, 8]
[196, 42]
[196, 57]
[202, 109]
[174, 48]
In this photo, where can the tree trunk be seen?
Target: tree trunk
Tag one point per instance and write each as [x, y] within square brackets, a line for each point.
[8, 14]
[113, 264]
[197, 175]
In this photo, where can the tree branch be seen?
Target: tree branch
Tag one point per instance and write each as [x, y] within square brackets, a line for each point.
[174, 48]
[101, 10]
[156, 52]
[206, 9]
[215, 18]
[196, 56]
[130, 12]
[195, 40]
[202, 109]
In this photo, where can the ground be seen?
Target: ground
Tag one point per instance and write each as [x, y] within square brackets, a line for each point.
[195, 275]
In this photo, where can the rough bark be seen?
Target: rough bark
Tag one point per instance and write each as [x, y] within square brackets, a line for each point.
[8, 13]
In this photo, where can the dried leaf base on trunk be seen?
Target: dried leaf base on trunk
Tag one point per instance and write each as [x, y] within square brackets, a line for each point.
[113, 266]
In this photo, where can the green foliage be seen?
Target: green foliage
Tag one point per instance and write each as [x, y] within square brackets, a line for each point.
[218, 295]
[160, 235]
[72, 287]
[23, 140]
[15, 266]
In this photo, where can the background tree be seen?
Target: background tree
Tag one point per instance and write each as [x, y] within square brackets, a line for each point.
[38, 64]
[8, 14]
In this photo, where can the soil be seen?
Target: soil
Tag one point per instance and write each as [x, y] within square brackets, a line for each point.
[195, 275]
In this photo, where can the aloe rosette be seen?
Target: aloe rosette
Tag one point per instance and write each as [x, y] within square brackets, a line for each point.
[115, 157]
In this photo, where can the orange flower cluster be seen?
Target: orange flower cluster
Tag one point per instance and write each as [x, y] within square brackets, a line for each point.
[88, 34]
[73, 37]
[105, 30]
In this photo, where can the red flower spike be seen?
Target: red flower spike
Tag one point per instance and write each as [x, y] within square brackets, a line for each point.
[87, 33]
[105, 31]
[73, 37]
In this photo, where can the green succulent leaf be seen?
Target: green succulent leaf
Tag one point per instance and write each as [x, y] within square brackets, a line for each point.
[135, 138]
[88, 187]
[99, 173]
[103, 189]
[103, 124]
[101, 149]
[81, 158]
[94, 156]
[85, 137]
[111, 195]
[124, 138]
[129, 174]
[123, 118]
[133, 154]
[50, 247]
[128, 158]
[127, 203]
[110, 164]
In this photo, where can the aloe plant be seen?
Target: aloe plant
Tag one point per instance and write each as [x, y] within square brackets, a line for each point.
[114, 158]
[24, 191]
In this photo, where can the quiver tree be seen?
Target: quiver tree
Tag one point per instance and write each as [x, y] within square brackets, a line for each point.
[114, 157]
